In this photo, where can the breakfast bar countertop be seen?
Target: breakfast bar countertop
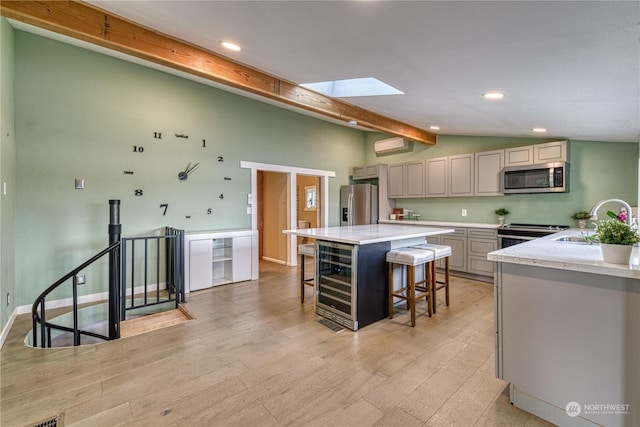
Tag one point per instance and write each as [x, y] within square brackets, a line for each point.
[550, 252]
[370, 233]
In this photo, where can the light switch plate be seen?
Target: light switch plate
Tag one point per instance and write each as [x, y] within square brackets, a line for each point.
[249, 199]
[248, 210]
[79, 183]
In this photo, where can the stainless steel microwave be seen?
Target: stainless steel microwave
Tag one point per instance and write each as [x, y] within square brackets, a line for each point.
[541, 178]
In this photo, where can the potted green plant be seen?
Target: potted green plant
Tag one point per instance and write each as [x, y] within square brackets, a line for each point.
[502, 213]
[616, 239]
[581, 218]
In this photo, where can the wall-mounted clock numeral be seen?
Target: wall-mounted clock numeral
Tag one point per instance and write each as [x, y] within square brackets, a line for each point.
[188, 216]
[204, 144]
[157, 135]
[226, 178]
[128, 172]
[138, 149]
[221, 196]
[165, 206]
[220, 159]
[209, 211]
[137, 192]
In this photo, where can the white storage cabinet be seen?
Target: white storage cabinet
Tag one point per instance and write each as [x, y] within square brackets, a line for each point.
[219, 258]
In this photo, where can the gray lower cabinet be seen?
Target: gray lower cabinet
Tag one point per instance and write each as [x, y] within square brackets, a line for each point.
[480, 242]
[458, 243]
[469, 249]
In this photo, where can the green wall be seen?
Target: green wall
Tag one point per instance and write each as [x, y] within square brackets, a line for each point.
[7, 174]
[79, 114]
[598, 170]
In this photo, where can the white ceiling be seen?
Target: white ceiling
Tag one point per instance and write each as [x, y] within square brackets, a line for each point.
[569, 66]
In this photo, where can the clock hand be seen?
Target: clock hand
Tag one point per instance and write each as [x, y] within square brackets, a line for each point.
[185, 174]
[191, 168]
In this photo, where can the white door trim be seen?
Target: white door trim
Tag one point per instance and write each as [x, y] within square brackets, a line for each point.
[292, 172]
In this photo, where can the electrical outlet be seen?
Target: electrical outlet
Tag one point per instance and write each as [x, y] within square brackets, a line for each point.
[82, 279]
[248, 210]
[464, 212]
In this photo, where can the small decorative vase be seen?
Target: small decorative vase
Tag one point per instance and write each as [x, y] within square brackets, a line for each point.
[501, 220]
[616, 254]
[582, 223]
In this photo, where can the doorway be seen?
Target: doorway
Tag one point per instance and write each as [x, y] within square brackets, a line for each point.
[308, 205]
[258, 221]
[272, 216]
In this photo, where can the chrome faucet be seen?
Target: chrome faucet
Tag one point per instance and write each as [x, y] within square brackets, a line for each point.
[597, 206]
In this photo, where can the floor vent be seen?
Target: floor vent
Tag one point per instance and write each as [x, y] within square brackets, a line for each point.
[57, 421]
[329, 324]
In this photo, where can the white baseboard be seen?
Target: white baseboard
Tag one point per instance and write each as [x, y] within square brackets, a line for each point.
[66, 302]
[277, 261]
[7, 327]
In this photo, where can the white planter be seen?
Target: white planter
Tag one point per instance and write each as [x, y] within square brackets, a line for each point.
[501, 220]
[582, 223]
[616, 254]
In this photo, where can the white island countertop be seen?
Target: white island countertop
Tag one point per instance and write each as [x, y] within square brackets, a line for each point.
[366, 234]
[548, 252]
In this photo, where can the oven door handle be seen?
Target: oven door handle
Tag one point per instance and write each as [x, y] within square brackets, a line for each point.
[509, 236]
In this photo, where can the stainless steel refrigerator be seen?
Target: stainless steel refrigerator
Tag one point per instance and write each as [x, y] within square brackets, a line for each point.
[358, 204]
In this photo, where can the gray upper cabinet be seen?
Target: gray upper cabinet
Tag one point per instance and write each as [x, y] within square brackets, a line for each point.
[518, 156]
[407, 180]
[466, 175]
[461, 175]
[488, 169]
[395, 181]
[550, 152]
[437, 177]
[366, 172]
[415, 178]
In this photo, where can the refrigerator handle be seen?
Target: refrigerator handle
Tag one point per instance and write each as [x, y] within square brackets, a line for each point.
[350, 207]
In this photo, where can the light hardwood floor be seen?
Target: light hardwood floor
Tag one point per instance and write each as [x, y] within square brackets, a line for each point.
[254, 356]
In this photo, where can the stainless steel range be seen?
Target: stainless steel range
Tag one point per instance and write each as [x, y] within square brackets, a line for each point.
[512, 234]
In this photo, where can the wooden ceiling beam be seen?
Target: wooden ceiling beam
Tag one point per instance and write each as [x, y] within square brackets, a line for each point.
[88, 23]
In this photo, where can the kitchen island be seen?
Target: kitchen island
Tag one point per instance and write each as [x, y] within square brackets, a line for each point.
[568, 331]
[351, 279]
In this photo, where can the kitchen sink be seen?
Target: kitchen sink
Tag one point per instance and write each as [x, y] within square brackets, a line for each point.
[572, 239]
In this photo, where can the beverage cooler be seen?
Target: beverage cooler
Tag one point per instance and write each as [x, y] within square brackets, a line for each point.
[352, 283]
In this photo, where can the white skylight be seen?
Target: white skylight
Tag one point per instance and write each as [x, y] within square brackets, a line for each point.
[366, 86]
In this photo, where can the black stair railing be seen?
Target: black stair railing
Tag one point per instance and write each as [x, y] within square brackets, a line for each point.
[172, 255]
[40, 320]
[38, 313]
[142, 275]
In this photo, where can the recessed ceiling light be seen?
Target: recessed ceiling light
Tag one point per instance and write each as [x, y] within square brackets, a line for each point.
[230, 45]
[493, 95]
[540, 130]
[434, 127]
